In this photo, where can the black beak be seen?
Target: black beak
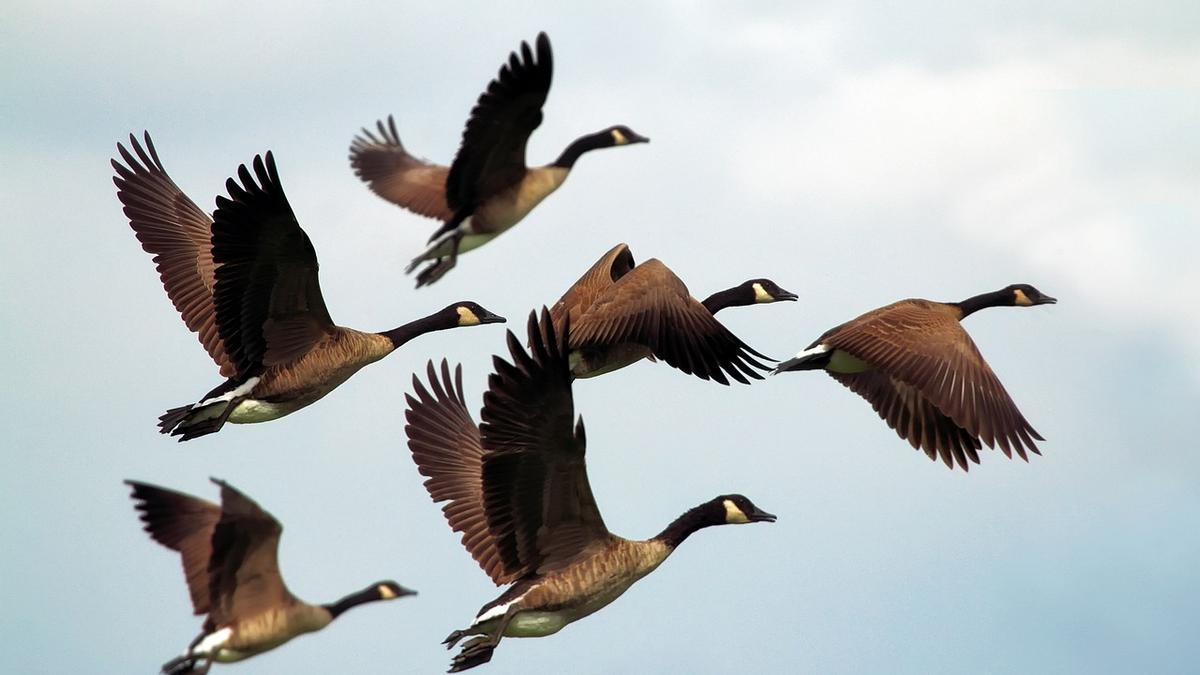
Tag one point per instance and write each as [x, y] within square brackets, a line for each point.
[1046, 300]
[488, 317]
[760, 516]
[785, 295]
[406, 591]
[637, 138]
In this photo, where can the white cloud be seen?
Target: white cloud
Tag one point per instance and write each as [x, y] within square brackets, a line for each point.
[999, 152]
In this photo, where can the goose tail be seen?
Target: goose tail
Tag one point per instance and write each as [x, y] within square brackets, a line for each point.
[815, 358]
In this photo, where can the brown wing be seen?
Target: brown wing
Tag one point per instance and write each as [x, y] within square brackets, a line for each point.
[268, 297]
[387, 168]
[539, 505]
[179, 236]
[613, 265]
[913, 417]
[652, 307]
[922, 344]
[243, 573]
[491, 157]
[182, 523]
[445, 446]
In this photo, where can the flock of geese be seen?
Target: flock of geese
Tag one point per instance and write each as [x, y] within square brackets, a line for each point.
[515, 486]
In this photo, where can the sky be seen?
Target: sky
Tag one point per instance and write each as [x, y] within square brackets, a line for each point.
[855, 153]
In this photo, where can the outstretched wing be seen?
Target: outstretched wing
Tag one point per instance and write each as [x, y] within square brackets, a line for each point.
[491, 157]
[386, 167]
[243, 573]
[927, 349]
[179, 236]
[182, 523]
[914, 417]
[652, 307]
[269, 305]
[614, 264]
[446, 448]
[539, 505]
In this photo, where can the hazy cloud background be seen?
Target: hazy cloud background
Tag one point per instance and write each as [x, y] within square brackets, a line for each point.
[856, 154]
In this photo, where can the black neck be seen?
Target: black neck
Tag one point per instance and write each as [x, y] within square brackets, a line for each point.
[978, 302]
[682, 527]
[412, 329]
[353, 600]
[730, 297]
[581, 145]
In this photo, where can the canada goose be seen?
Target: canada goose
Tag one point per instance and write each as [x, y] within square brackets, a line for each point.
[925, 377]
[246, 281]
[230, 560]
[518, 491]
[488, 188]
[621, 312]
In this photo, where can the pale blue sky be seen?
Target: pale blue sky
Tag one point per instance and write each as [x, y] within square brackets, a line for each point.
[856, 154]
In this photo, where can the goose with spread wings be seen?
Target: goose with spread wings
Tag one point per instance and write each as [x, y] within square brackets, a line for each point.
[246, 281]
[488, 188]
[924, 376]
[621, 312]
[230, 559]
[517, 489]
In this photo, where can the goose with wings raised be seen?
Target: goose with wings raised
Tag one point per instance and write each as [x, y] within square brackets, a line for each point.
[488, 188]
[621, 312]
[246, 281]
[230, 559]
[517, 489]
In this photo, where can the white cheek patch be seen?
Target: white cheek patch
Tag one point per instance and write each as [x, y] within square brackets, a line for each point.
[466, 317]
[760, 294]
[212, 642]
[618, 137]
[733, 514]
[386, 593]
[1022, 299]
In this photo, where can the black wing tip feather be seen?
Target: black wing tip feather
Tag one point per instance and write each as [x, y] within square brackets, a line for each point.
[146, 162]
[147, 495]
[231, 497]
[244, 186]
[388, 137]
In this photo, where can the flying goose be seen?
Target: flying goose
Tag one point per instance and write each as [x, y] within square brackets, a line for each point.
[518, 490]
[925, 377]
[229, 557]
[246, 281]
[621, 312]
[488, 188]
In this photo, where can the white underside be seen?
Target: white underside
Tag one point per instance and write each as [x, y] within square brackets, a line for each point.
[496, 611]
[819, 349]
[444, 245]
[248, 411]
[253, 411]
[536, 624]
[211, 642]
[540, 623]
[500, 216]
[245, 388]
[841, 362]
